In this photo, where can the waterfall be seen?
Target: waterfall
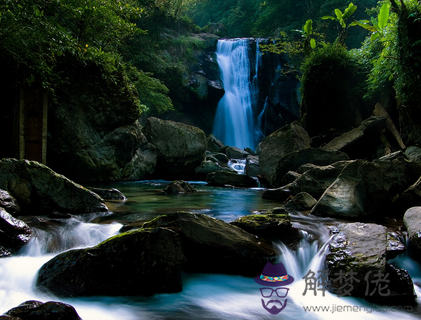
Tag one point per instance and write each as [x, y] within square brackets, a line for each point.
[234, 117]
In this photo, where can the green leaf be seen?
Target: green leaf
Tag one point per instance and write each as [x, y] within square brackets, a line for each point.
[308, 27]
[365, 25]
[342, 22]
[375, 23]
[338, 14]
[383, 15]
[328, 17]
[313, 43]
[349, 11]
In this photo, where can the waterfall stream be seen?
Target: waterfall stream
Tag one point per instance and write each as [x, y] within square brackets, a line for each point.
[234, 117]
[204, 296]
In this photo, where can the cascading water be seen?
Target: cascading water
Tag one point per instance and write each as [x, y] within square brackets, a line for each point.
[234, 117]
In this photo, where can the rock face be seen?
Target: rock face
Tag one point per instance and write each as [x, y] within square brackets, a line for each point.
[139, 262]
[33, 310]
[367, 189]
[39, 189]
[212, 245]
[276, 224]
[301, 201]
[357, 143]
[94, 145]
[180, 147]
[223, 178]
[289, 138]
[412, 221]
[359, 251]
[14, 234]
[293, 160]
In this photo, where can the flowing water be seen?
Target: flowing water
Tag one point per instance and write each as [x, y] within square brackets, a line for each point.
[233, 123]
[204, 296]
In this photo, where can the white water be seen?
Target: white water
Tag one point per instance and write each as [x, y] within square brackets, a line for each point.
[233, 123]
[204, 296]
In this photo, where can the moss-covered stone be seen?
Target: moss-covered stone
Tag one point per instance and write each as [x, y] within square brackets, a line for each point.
[138, 262]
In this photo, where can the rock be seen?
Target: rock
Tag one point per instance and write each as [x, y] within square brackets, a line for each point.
[180, 147]
[393, 156]
[214, 246]
[289, 138]
[395, 246]
[271, 225]
[222, 178]
[301, 201]
[213, 144]
[293, 160]
[139, 262]
[411, 197]
[252, 166]
[314, 182]
[8, 203]
[108, 194]
[14, 234]
[412, 221]
[360, 248]
[357, 143]
[236, 153]
[37, 188]
[35, 310]
[179, 186]
[221, 158]
[289, 177]
[366, 189]
[401, 288]
[413, 153]
[207, 167]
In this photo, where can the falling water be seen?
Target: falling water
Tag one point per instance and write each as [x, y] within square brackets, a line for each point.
[234, 118]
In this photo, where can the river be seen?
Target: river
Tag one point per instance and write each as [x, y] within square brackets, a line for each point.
[204, 296]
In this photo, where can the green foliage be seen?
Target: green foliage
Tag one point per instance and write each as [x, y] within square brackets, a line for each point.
[341, 19]
[377, 27]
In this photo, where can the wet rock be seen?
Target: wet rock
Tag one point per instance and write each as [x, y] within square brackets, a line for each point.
[236, 153]
[357, 143]
[395, 246]
[139, 262]
[293, 160]
[301, 201]
[213, 144]
[252, 166]
[411, 197]
[108, 194]
[212, 245]
[179, 186]
[14, 234]
[37, 188]
[269, 225]
[367, 189]
[223, 178]
[36, 310]
[401, 288]
[360, 248]
[8, 203]
[412, 221]
[207, 167]
[180, 147]
[291, 137]
[289, 177]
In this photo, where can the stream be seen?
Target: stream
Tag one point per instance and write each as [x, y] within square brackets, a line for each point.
[204, 296]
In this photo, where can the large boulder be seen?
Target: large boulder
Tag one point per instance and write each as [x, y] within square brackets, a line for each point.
[224, 178]
[275, 224]
[236, 153]
[36, 310]
[358, 252]
[212, 245]
[289, 138]
[412, 221]
[37, 188]
[138, 262]
[314, 181]
[14, 234]
[293, 160]
[179, 186]
[8, 202]
[180, 148]
[253, 166]
[367, 189]
[208, 166]
[358, 142]
[301, 201]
